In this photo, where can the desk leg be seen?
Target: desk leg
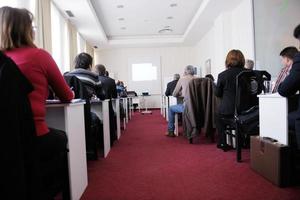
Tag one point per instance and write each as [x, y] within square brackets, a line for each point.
[118, 118]
[106, 128]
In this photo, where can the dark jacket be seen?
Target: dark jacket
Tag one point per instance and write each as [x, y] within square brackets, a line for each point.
[170, 87]
[109, 88]
[226, 89]
[289, 87]
[19, 171]
[199, 109]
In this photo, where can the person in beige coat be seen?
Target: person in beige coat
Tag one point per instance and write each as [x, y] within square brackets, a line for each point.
[179, 92]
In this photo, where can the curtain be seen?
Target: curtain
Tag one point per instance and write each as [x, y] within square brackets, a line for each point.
[43, 23]
[72, 44]
[90, 50]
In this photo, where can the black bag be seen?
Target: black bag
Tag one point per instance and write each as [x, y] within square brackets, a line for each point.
[249, 120]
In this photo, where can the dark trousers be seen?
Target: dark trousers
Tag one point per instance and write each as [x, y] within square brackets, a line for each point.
[222, 121]
[294, 125]
[52, 150]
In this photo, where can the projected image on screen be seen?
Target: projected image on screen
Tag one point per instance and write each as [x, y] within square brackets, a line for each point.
[144, 72]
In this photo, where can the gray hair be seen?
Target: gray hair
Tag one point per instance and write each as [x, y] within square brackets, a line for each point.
[249, 64]
[189, 70]
[176, 76]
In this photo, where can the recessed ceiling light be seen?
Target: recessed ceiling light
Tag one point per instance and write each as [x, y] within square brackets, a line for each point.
[123, 28]
[167, 26]
[146, 20]
[173, 5]
[120, 6]
[165, 30]
[170, 17]
[121, 19]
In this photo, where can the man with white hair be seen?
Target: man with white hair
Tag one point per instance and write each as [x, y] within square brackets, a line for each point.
[179, 92]
[249, 64]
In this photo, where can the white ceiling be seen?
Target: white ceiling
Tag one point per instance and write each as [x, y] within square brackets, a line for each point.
[98, 20]
[144, 17]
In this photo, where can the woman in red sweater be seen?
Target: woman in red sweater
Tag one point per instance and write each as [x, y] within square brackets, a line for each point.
[16, 41]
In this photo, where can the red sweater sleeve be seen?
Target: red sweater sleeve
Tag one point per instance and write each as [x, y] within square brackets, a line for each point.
[55, 78]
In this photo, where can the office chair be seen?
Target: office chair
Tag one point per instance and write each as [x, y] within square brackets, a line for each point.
[246, 118]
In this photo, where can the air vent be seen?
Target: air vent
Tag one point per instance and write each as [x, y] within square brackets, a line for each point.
[69, 13]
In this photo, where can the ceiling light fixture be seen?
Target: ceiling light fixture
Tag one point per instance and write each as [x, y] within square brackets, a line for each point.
[121, 19]
[123, 28]
[167, 26]
[172, 5]
[170, 17]
[120, 6]
[165, 30]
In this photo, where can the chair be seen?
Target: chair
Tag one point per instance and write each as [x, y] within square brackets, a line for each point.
[22, 173]
[92, 122]
[246, 118]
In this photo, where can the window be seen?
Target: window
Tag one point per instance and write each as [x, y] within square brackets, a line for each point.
[60, 41]
[144, 72]
[80, 44]
[30, 5]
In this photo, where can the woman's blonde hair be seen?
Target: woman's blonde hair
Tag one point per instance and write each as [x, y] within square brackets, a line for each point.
[235, 58]
[15, 28]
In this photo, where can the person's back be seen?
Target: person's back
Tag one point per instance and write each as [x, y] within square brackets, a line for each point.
[181, 87]
[171, 85]
[226, 89]
[82, 71]
[108, 85]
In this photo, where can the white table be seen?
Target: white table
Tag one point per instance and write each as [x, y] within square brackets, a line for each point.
[101, 109]
[70, 118]
[273, 117]
[116, 106]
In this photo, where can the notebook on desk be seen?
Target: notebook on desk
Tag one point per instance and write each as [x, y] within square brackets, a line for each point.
[56, 101]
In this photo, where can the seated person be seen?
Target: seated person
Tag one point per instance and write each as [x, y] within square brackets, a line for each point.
[249, 64]
[179, 92]
[83, 65]
[121, 89]
[37, 65]
[225, 90]
[108, 84]
[287, 55]
[171, 85]
[290, 86]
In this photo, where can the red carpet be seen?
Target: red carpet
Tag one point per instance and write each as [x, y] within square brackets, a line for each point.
[146, 165]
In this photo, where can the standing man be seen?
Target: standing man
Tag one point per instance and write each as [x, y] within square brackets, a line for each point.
[287, 57]
[180, 93]
[171, 85]
[290, 86]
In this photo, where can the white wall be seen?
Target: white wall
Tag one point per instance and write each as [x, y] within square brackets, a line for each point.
[275, 21]
[172, 59]
[231, 30]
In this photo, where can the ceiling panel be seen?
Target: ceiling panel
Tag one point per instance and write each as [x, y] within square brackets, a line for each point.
[139, 18]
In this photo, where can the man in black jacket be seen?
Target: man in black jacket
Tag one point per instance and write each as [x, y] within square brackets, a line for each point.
[108, 84]
[109, 90]
[290, 86]
[171, 85]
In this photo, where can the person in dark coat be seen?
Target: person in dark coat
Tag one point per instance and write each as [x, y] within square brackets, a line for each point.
[225, 90]
[109, 90]
[290, 86]
[171, 85]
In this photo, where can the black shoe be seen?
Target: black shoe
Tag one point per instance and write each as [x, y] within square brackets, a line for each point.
[224, 147]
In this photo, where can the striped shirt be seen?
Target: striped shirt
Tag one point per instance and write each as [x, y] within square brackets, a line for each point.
[90, 79]
[284, 72]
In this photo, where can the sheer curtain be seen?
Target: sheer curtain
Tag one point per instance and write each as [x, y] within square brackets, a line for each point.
[72, 44]
[43, 21]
